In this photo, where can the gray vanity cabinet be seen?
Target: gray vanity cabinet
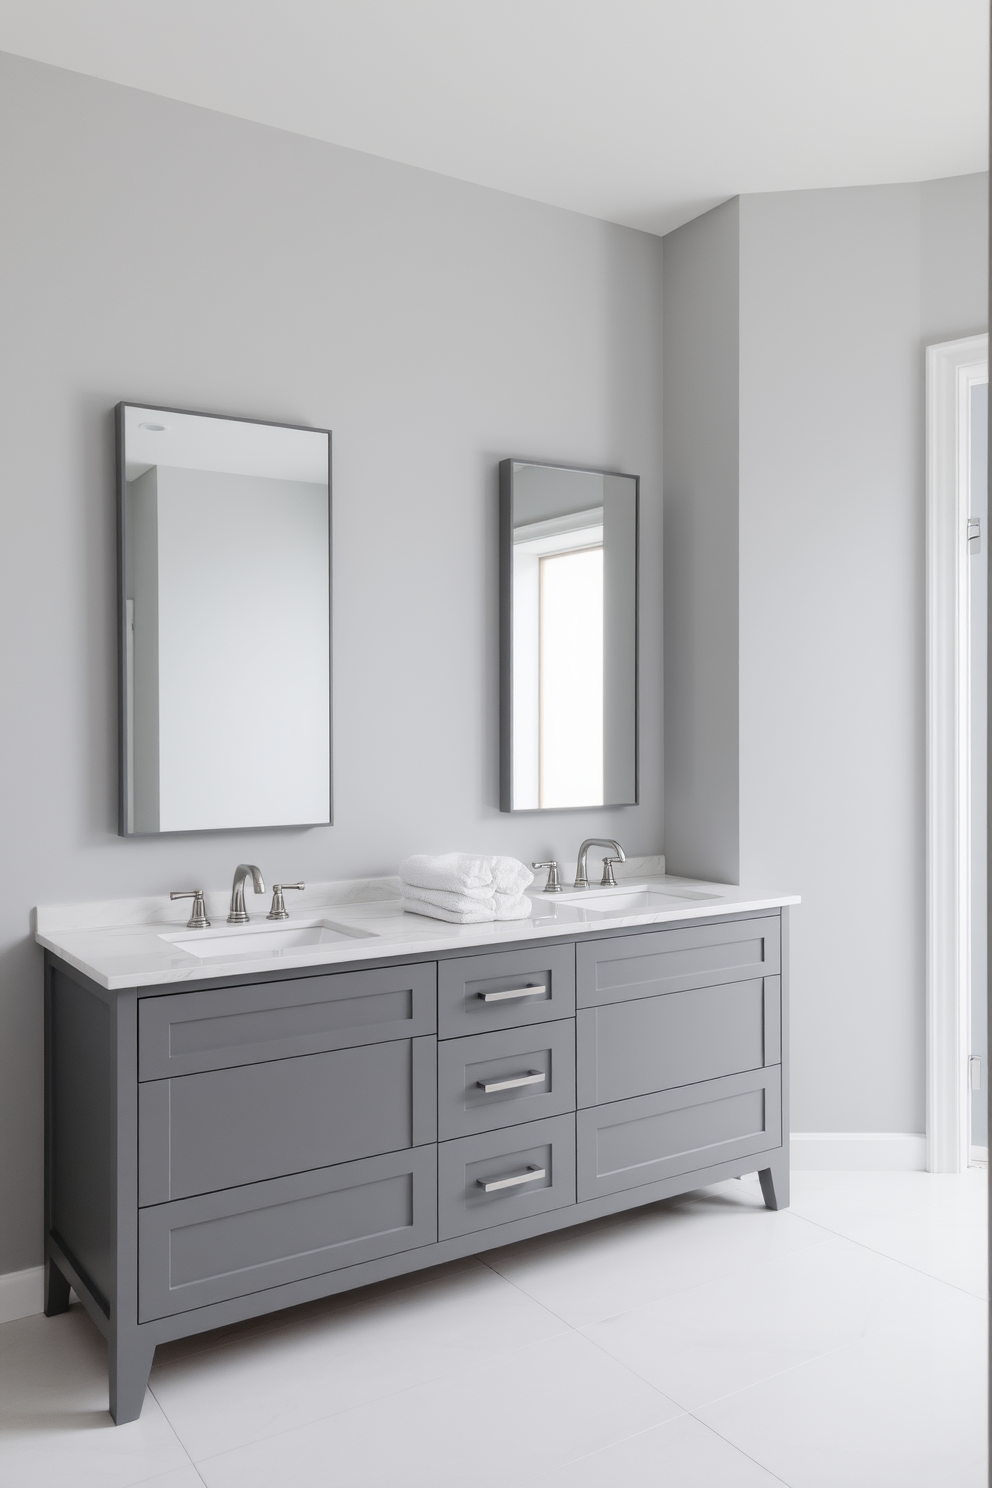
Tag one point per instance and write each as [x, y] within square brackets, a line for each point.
[245, 1144]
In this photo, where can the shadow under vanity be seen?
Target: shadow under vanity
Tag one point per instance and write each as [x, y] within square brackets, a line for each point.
[224, 1149]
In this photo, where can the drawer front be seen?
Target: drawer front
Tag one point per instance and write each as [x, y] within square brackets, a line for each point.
[207, 1249]
[188, 1032]
[200, 1133]
[674, 960]
[529, 1072]
[541, 1154]
[505, 990]
[639, 1141]
[679, 1038]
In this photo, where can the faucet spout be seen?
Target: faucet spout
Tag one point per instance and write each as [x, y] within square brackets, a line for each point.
[239, 915]
[581, 871]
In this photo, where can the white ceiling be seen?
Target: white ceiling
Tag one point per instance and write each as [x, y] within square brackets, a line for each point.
[644, 112]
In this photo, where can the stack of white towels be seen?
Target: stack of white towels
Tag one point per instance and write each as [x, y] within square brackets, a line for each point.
[464, 889]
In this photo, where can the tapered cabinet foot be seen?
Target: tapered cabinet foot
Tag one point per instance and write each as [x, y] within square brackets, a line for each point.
[131, 1358]
[774, 1182]
[56, 1291]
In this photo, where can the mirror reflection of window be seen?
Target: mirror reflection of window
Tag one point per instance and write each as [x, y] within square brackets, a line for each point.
[571, 677]
[571, 638]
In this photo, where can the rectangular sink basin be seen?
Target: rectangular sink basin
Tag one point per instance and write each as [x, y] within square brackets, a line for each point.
[637, 899]
[261, 940]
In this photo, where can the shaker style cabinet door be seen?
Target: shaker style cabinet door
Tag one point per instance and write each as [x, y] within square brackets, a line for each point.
[504, 989]
[624, 967]
[504, 1175]
[677, 1038]
[204, 1132]
[185, 1032]
[500, 1079]
[229, 1244]
[629, 1143]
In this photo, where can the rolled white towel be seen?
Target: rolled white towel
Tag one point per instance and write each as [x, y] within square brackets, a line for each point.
[474, 916]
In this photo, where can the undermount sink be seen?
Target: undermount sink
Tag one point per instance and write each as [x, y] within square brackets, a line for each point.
[634, 898]
[261, 940]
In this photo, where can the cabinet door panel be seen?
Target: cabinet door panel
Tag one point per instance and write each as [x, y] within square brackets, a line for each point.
[678, 1038]
[187, 1032]
[643, 965]
[216, 1246]
[200, 1133]
[651, 1137]
[540, 1153]
[505, 989]
[542, 1054]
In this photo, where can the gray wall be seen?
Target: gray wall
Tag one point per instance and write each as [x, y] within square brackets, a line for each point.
[435, 327]
[840, 291]
[701, 359]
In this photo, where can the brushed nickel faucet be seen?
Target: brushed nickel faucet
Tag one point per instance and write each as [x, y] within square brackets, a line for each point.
[239, 915]
[619, 856]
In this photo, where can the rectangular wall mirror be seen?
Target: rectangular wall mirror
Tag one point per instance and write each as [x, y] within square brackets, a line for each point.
[568, 637]
[225, 688]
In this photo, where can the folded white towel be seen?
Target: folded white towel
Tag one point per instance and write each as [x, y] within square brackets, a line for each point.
[443, 899]
[465, 873]
[513, 907]
[462, 911]
[453, 916]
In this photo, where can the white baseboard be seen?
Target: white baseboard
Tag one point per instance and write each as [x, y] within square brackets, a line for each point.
[22, 1293]
[857, 1151]
[979, 1154]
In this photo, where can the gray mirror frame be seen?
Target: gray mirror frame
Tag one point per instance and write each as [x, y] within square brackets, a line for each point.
[506, 635]
[122, 697]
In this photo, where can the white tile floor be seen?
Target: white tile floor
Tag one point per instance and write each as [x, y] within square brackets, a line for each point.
[699, 1343]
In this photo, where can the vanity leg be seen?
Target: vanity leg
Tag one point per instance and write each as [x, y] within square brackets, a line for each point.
[56, 1291]
[131, 1357]
[774, 1182]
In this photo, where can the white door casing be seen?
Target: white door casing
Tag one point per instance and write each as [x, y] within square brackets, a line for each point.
[953, 368]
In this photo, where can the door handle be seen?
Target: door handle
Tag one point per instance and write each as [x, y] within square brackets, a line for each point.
[512, 992]
[532, 1077]
[531, 1176]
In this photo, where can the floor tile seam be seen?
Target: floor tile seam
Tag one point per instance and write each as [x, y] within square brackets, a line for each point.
[570, 1327]
[636, 1373]
[748, 1455]
[917, 1270]
[173, 1428]
[356, 1406]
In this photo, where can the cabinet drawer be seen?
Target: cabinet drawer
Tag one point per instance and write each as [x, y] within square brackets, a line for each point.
[679, 1038]
[640, 1141]
[673, 960]
[222, 1245]
[542, 1055]
[505, 990]
[530, 1169]
[199, 1133]
[187, 1032]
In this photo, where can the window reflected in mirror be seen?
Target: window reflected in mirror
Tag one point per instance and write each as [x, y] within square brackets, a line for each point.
[569, 545]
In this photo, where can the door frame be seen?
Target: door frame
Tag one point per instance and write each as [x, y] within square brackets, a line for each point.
[953, 368]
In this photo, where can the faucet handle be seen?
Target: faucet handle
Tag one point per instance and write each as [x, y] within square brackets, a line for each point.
[608, 881]
[279, 910]
[553, 885]
[198, 915]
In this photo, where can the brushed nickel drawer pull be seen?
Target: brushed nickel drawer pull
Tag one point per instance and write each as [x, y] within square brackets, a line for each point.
[531, 1176]
[513, 992]
[532, 1077]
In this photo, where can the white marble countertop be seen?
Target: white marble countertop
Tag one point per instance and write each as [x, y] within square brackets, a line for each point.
[138, 942]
